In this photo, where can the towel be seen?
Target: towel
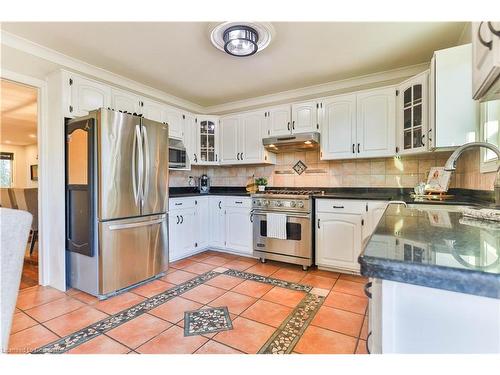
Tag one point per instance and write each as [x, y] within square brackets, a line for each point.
[276, 226]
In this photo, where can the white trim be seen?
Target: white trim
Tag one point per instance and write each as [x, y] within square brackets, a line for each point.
[84, 68]
[325, 89]
[43, 193]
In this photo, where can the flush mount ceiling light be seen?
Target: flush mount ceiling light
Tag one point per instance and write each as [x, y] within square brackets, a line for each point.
[241, 38]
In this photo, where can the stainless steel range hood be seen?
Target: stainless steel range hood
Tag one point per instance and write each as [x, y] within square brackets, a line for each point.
[292, 142]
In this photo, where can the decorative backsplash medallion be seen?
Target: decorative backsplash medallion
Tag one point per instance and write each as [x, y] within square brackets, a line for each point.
[299, 167]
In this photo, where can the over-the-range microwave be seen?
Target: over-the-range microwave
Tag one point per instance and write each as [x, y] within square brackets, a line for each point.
[177, 156]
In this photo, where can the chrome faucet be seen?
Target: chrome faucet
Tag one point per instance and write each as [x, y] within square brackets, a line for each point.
[451, 163]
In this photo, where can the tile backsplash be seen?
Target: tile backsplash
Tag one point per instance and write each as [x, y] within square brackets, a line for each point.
[406, 171]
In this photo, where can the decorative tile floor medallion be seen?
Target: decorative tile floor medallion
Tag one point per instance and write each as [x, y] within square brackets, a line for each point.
[205, 321]
[288, 334]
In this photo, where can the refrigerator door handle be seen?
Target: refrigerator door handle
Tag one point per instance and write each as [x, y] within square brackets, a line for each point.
[145, 187]
[134, 165]
[140, 167]
[136, 225]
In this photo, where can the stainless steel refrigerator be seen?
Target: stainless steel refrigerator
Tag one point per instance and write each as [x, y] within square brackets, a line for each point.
[116, 201]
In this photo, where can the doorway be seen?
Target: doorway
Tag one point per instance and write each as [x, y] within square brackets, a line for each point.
[19, 164]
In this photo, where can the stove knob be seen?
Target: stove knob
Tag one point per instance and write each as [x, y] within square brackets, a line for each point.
[292, 204]
[300, 204]
[266, 203]
[278, 203]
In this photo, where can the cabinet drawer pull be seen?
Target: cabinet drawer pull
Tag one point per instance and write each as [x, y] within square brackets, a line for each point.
[220, 202]
[368, 285]
[318, 223]
[251, 218]
[178, 204]
[182, 219]
[338, 206]
[492, 29]
[353, 148]
[293, 124]
[238, 202]
[358, 147]
[178, 219]
[288, 125]
[366, 343]
[481, 40]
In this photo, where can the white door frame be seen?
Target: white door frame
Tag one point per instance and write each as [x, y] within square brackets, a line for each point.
[43, 194]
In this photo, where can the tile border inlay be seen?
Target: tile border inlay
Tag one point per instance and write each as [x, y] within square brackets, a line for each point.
[211, 320]
[282, 341]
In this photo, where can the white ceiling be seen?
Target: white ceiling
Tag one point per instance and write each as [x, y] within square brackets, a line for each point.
[18, 114]
[178, 58]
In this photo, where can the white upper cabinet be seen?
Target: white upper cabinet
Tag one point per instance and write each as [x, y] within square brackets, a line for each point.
[208, 140]
[338, 127]
[86, 95]
[376, 122]
[152, 110]
[305, 117]
[279, 120]
[191, 137]
[412, 102]
[230, 142]
[453, 113]
[125, 101]
[173, 117]
[486, 60]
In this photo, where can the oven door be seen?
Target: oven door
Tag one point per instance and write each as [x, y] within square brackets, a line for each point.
[298, 232]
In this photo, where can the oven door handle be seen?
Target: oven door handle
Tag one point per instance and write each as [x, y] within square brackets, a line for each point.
[288, 214]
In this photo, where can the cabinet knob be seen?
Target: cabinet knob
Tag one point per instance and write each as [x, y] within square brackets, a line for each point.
[481, 40]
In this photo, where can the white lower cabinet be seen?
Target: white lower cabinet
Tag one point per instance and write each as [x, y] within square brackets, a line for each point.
[182, 229]
[203, 222]
[239, 229]
[217, 221]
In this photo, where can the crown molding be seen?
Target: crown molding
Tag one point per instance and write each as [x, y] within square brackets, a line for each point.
[323, 89]
[82, 67]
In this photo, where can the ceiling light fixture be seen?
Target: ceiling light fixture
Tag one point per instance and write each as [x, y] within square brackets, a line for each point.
[241, 39]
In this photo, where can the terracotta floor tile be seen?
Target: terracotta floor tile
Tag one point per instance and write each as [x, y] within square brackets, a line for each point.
[338, 320]
[55, 308]
[199, 268]
[172, 341]
[216, 260]
[354, 278]
[173, 310]
[317, 340]
[364, 329]
[284, 296]
[349, 287]
[263, 269]
[21, 321]
[236, 303]
[30, 339]
[224, 282]
[239, 265]
[68, 323]
[85, 297]
[267, 312]
[253, 288]
[36, 296]
[139, 330]
[152, 288]
[100, 345]
[118, 303]
[181, 263]
[213, 347]
[203, 293]
[200, 257]
[246, 335]
[318, 281]
[361, 348]
[347, 302]
[178, 277]
[72, 291]
[324, 273]
[288, 275]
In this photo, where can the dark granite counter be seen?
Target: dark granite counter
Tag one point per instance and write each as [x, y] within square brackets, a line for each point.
[179, 192]
[435, 246]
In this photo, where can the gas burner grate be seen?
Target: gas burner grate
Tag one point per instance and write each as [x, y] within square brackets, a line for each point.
[292, 192]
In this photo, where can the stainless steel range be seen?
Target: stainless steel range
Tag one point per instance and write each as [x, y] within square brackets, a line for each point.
[297, 245]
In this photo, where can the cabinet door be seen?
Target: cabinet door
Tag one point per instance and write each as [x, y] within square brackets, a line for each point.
[173, 117]
[208, 140]
[338, 240]
[376, 123]
[203, 222]
[217, 222]
[189, 230]
[279, 120]
[230, 140]
[305, 117]
[485, 57]
[87, 95]
[251, 134]
[413, 114]
[239, 229]
[125, 101]
[338, 128]
[152, 110]
[191, 138]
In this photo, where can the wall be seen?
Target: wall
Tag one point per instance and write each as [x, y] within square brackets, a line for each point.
[24, 156]
[468, 175]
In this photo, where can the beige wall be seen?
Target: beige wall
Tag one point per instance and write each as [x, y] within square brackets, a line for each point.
[382, 172]
[24, 156]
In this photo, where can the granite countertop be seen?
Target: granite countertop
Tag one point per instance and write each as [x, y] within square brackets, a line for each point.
[198, 194]
[435, 246]
[180, 192]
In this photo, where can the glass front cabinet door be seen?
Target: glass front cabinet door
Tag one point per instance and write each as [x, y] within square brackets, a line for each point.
[208, 128]
[413, 134]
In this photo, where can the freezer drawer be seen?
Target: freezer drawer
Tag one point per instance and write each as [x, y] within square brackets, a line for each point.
[131, 250]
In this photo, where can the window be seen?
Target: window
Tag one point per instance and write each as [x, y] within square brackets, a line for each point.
[490, 122]
[6, 169]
